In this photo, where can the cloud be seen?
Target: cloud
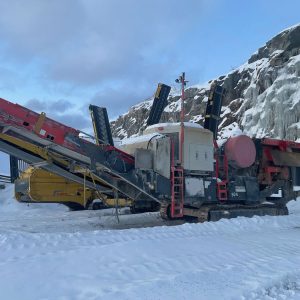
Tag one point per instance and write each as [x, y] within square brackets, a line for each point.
[91, 42]
[62, 111]
[107, 52]
[55, 106]
[38, 28]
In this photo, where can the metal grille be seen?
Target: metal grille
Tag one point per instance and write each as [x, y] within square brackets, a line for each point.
[17, 166]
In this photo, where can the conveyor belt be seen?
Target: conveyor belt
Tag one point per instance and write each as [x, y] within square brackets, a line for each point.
[34, 160]
[213, 109]
[101, 125]
[123, 183]
[160, 101]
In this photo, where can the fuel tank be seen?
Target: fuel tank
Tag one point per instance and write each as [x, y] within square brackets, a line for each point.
[240, 151]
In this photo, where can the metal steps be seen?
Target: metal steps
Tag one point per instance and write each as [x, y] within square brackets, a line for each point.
[177, 192]
[222, 175]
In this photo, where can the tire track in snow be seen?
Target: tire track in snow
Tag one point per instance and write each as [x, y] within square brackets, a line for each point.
[166, 233]
[232, 259]
[240, 260]
[73, 242]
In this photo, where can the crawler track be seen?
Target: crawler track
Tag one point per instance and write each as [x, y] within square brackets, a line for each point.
[220, 211]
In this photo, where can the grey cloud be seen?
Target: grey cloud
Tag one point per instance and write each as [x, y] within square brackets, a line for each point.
[121, 49]
[56, 106]
[91, 42]
[59, 111]
[36, 105]
[60, 105]
[38, 27]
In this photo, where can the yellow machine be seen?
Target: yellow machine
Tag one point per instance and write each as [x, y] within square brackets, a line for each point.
[40, 186]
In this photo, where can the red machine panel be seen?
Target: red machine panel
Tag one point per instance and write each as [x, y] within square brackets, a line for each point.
[17, 115]
[20, 117]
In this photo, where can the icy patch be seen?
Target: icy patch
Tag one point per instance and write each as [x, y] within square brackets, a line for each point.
[287, 288]
[196, 119]
[232, 129]
[275, 111]
[173, 106]
[225, 111]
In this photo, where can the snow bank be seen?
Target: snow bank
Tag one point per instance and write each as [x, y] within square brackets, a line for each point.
[241, 258]
[8, 203]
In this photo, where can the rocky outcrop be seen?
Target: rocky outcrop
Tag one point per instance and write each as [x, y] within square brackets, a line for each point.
[262, 99]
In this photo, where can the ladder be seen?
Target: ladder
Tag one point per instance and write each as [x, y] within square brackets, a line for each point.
[177, 192]
[222, 191]
[222, 167]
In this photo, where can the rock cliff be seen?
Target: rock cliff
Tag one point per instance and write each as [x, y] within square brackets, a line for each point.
[262, 99]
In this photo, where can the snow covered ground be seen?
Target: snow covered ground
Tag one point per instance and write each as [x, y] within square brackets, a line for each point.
[47, 252]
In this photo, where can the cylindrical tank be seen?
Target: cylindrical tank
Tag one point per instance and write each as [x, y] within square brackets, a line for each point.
[240, 151]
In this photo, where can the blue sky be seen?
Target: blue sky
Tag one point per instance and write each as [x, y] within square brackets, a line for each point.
[58, 56]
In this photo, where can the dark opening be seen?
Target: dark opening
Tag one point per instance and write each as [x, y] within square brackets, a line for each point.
[50, 137]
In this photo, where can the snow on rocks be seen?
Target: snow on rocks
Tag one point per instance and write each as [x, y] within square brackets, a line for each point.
[262, 96]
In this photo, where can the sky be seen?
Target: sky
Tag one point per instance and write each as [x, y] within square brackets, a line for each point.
[59, 56]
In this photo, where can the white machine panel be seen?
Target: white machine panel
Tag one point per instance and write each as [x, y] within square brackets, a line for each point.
[198, 146]
[200, 157]
[162, 162]
[194, 187]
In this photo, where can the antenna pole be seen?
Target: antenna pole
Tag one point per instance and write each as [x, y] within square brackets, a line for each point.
[182, 81]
